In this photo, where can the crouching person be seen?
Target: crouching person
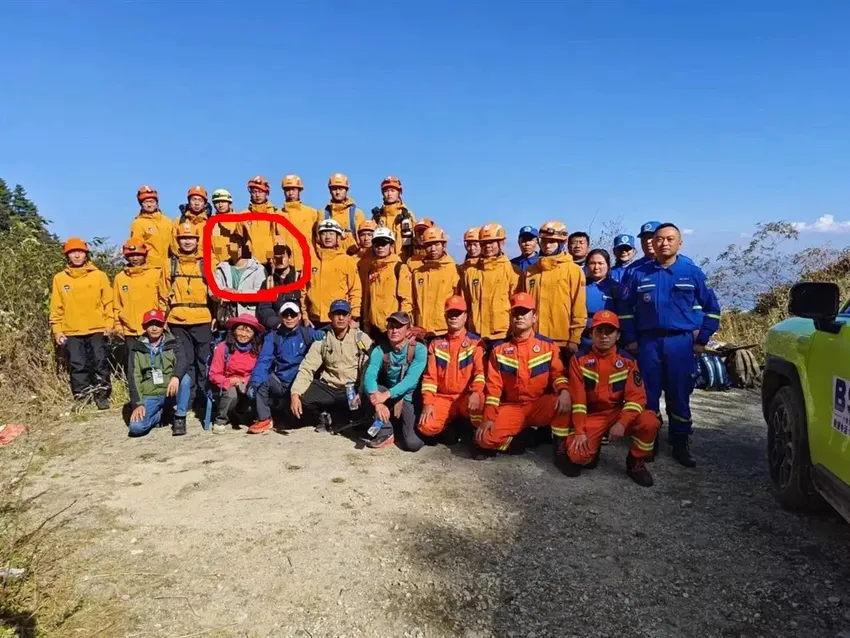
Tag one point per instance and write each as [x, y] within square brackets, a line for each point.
[158, 378]
[283, 351]
[608, 398]
[232, 365]
[338, 359]
[526, 387]
[453, 385]
[394, 371]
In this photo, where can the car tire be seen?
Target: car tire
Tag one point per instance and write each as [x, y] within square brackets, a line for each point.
[788, 452]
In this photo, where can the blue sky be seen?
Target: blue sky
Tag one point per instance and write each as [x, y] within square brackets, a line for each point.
[714, 115]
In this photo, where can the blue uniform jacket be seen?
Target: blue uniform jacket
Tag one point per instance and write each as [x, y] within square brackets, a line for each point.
[640, 261]
[676, 298]
[398, 385]
[601, 295]
[616, 273]
[524, 263]
[286, 357]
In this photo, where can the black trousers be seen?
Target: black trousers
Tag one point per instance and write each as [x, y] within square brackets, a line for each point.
[194, 341]
[229, 404]
[88, 362]
[273, 394]
[321, 397]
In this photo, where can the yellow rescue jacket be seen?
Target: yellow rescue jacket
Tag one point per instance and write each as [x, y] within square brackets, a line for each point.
[261, 234]
[333, 276]
[155, 230]
[221, 238]
[487, 287]
[390, 215]
[342, 214]
[136, 290]
[558, 287]
[304, 219]
[197, 222]
[81, 302]
[188, 295]
[388, 290]
[433, 283]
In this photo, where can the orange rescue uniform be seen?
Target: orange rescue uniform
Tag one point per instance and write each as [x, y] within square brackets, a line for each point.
[558, 287]
[136, 290]
[304, 219]
[341, 213]
[487, 287]
[155, 229]
[607, 389]
[334, 276]
[433, 283]
[523, 378]
[387, 290]
[455, 371]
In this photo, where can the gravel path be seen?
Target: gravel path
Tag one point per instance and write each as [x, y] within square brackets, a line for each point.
[306, 535]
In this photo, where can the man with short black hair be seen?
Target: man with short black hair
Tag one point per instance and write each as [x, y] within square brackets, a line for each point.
[528, 249]
[578, 244]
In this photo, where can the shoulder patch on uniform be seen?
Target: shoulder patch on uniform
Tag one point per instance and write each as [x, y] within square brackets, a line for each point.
[496, 343]
[474, 336]
[589, 362]
[543, 338]
[67, 287]
[509, 350]
[625, 354]
[637, 378]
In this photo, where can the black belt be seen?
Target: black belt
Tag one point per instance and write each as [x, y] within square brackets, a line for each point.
[664, 333]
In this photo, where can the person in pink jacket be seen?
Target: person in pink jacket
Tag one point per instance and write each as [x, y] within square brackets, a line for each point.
[232, 362]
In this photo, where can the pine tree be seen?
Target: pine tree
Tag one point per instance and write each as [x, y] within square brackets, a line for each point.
[5, 206]
[25, 209]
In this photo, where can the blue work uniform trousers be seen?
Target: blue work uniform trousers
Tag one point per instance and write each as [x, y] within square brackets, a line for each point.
[156, 405]
[667, 365]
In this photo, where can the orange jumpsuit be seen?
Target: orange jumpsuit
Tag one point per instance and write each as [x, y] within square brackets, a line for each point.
[455, 370]
[607, 389]
[523, 378]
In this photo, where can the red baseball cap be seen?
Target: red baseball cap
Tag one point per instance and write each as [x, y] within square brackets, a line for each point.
[153, 316]
[455, 302]
[605, 318]
[522, 300]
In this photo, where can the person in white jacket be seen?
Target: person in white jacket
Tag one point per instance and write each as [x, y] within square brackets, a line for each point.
[242, 274]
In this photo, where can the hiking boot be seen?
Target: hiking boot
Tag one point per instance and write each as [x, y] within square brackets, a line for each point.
[260, 427]
[178, 428]
[567, 467]
[542, 436]
[449, 435]
[636, 469]
[682, 450]
[521, 442]
[325, 422]
[480, 454]
[594, 462]
[102, 402]
[219, 428]
[605, 441]
[381, 441]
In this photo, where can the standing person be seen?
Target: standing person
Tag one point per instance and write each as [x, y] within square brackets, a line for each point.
[453, 384]
[667, 315]
[268, 312]
[388, 285]
[601, 293]
[606, 388]
[579, 245]
[81, 317]
[558, 288]
[189, 317]
[489, 286]
[284, 348]
[647, 245]
[395, 368]
[136, 289]
[261, 233]
[396, 216]
[152, 226]
[435, 279]
[624, 252]
[528, 249]
[233, 362]
[334, 276]
[196, 211]
[301, 216]
[342, 210]
[526, 387]
[473, 249]
[240, 274]
[223, 204]
[338, 359]
[364, 256]
[157, 378]
[419, 230]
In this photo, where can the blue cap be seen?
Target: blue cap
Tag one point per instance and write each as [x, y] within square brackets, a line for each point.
[648, 228]
[340, 305]
[528, 230]
[624, 240]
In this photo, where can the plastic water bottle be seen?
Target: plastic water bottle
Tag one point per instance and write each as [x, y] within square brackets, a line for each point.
[377, 426]
[351, 394]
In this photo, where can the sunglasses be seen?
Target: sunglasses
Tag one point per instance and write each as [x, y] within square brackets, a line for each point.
[289, 314]
[519, 312]
[454, 314]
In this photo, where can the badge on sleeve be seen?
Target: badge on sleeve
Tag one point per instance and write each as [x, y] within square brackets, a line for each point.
[465, 344]
[619, 364]
[638, 379]
[647, 297]
[536, 348]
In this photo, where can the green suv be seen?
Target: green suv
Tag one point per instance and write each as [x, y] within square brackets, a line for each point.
[806, 400]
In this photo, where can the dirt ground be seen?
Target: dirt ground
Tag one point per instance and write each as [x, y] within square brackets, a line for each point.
[306, 535]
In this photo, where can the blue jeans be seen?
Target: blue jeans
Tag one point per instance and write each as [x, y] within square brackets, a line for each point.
[155, 405]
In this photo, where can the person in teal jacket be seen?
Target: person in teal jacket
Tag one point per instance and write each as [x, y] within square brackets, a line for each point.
[390, 380]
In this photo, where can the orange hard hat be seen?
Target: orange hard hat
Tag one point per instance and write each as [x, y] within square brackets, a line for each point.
[74, 243]
[134, 247]
[423, 223]
[433, 234]
[471, 234]
[522, 300]
[338, 179]
[492, 232]
[554, 230]
[187, 229]
[146, 192]
[605, 318]
[200, 191]
[367, 225]
[455, 302]
[291, 181]
[391, 182]
[260, 183]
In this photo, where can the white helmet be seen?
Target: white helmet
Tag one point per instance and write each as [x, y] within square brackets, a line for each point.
[330, 225]
[382, 232]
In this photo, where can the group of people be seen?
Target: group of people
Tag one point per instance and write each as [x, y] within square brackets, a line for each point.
[390, 334]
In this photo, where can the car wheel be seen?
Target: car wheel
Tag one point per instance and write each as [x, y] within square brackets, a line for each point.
[788, 452]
